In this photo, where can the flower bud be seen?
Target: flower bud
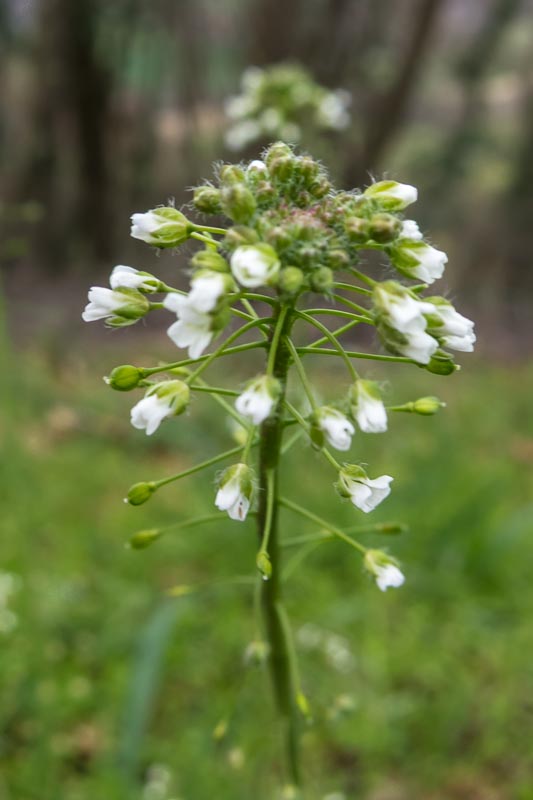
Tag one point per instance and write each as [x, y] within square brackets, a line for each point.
[235, 489]
[282, 168]
[384, 228]
[139, 493]
[143, 539]
[335, 426]
[367, 406]
[322, 279]
[277, 150]
[357, 229]
[338, 259]
[257, 170]
[427, 405]
[291, 280]
[119, 307]
[383, 569]
[441, 363]
[391, 195]
[418, 260]
[264, 565]
[238, 202]
[259, 398]
[164, 399]
[265, 192]
[320, 188]
[255, 265]
[124, 378]
[279, 238]
[231, 173]
[210, 260]
[161, 227]
[240, 235]
[207, 199]
[308, 168]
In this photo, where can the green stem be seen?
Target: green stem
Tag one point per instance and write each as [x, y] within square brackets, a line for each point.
[351, 354]
[272, 353]
[362, 277]
[216, 395]
[205, 239]
[336, 344]
[280, 654]
[303, 512]
[302, 375]
[214, 390]
[146, 371]
[210, 229]
[235, 335]
[336, 332]
[198, 467]
[351, 288]
[364, 311]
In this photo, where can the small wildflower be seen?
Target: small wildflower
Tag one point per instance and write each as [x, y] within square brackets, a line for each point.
[384, 570]
[259, 398]
[336, 427]
[165, 399]
[367, 406]
[235, 491]
[255, 265]
[364, 492]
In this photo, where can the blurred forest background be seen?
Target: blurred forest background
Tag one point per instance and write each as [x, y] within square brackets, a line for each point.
[106, 689]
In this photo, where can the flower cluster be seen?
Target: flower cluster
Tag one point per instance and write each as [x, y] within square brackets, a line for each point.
[279, 102]
[290, 235]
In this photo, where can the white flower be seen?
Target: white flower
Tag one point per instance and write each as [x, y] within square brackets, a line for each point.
[337, 428]
[402, 323]
[194, 329]
[206, 290]
[452, 329]
[259, 398]
[165, 399]
[132, 279]
[257, 167]
[419, 346]
[235, 491]
[417, 259]
[392, 195]
[105, 303]
[162, 227]
[383, 569]
[367, 407]
[255, 265]
[410, 230]
[364, 492]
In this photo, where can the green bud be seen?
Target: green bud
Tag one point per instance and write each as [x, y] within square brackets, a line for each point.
[124, 378]
[291, 280]
[322, 279]
[308, 256]
[391, 195]
[139, 493]
[384, 228]
[238, 202]
[210, 260]
[240, 235]
[308, 168]
[357, 229]
[264, 565]
[134, 306]
[279, 238]
[161, 227]
[265, 192]
[281, 168]
[320, 188]
[441, 363]
[231, 173]
[391, 528]
[207, 199]
[277, 150]
[427, 405]
[143, 539]
[338, 259]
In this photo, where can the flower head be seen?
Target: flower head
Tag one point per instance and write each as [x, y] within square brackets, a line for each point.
[367, 406]
[391, 195]
[259, 398]
[364, 492]
[133, 279]
[336, 427]
[384, 570]
[165, 399]
[235, 489]
[119, 306]
[255, 265]
[161, 227]
[417, 259]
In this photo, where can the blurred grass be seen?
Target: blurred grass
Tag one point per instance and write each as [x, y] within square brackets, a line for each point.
[424, 692]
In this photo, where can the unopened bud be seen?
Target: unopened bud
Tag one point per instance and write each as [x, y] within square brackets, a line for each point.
[291, 280]
[279, 238]
[441, 363]
[357, 229]
[207, 199]
[211, 260]
[238, 202]
[322, 279]
[139, 493]
[384, 228]
[124, 378]
[308, 168]
[240, 235]
[265, 192]
[320, 188]
[231, 173]
[282, 168]
[143, 539]
[338, 259]
[264, 565]
[427, 405]
[277, 150]
[161, 227]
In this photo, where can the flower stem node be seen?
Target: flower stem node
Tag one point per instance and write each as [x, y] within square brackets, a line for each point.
[259, 398]
[365, 493]
[119, 307]
[140, 493]
[392, 196]
[335, 426]
[322, 280]
[255, 265]
[264, 565]
[383, 569]
[367, 407]
[291, 280]
[124, 378]
[162, 227]
[384, 228]
[164, 399]
[427, 406]
[143, 539]
[235, 489]
[207, 199]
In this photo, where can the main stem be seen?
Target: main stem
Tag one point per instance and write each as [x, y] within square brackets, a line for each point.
[281, 671]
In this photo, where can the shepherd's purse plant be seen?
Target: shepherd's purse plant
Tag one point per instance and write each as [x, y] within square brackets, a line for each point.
[295, 246]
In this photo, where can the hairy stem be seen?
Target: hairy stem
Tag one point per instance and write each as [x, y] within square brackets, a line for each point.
[280, 660]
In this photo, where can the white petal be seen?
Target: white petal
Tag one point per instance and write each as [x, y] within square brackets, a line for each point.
[149, 412]
[368, 493]
[205, 292]
[389, 575]
[371, 415]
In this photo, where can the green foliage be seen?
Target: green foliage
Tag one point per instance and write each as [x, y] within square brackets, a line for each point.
[431, 682]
